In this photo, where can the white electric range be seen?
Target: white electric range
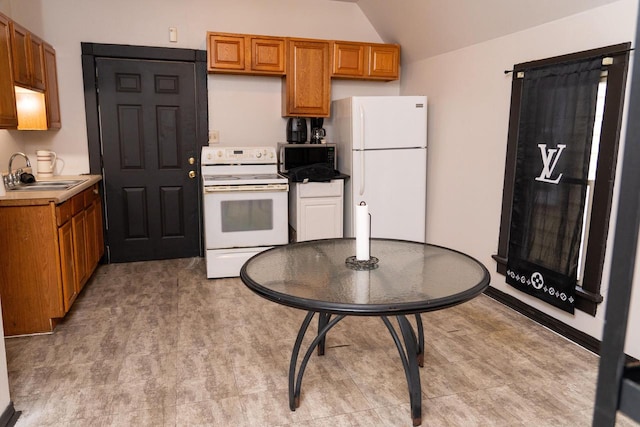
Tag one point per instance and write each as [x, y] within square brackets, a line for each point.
[245, 206]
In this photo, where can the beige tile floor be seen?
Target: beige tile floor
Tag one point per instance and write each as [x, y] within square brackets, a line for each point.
[157, 344]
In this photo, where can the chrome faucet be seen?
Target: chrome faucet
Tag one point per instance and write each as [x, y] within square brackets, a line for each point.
[12, 177]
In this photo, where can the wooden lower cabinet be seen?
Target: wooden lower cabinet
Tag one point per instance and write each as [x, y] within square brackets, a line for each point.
[65, 240]
[47, 254]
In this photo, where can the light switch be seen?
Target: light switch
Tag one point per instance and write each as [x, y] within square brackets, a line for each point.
[173, 34]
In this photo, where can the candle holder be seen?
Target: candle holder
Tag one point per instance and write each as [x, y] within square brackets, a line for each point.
[367, 264]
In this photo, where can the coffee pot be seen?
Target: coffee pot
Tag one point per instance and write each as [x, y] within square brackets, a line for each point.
[317, 135]
[317, 131]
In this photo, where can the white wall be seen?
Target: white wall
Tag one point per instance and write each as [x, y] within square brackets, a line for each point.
[469, 98]
[246, 110]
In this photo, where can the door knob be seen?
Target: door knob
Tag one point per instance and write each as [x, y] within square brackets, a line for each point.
[192, 174]
[192, 160]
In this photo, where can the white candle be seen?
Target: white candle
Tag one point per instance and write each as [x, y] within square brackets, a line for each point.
[362, 232]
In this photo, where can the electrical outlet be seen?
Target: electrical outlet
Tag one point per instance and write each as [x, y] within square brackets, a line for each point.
[214, 137]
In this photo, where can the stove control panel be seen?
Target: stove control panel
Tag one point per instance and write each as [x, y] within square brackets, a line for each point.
[238, 155]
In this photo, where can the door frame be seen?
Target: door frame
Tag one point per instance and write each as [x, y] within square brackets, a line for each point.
[92, 51]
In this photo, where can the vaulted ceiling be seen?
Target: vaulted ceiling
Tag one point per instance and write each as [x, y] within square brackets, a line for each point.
[426, 28]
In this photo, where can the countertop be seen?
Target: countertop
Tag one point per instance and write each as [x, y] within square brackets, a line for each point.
[34, 198]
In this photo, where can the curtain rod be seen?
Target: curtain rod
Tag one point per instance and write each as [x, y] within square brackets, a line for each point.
[608, 54]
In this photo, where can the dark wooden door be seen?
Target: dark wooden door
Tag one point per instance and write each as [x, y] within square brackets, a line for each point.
[147, 111]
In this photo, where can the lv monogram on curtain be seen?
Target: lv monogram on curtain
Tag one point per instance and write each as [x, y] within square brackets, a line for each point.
[552, 161]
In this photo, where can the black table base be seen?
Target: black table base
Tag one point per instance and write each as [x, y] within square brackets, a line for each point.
[411, 349]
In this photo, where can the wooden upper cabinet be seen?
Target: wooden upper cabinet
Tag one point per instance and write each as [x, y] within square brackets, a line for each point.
[20, 48]
[225, 52]
[348, 59]
[384, 61]
[307, 88]
[267, 54]
[51, 96]
[366, 61]
[8, 113]
[28, 58]
[36, 53]
[245, 54]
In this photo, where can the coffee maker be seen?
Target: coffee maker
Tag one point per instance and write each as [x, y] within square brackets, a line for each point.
[296, 130]
[317, 131]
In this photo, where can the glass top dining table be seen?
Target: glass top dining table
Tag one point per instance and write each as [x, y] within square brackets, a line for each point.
[409, 278]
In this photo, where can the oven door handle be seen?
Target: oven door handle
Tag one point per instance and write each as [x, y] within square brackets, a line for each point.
[264, 188]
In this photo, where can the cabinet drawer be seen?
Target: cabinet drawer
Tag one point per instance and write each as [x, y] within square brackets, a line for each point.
[321, 189]
[77, 203]
[90, 195]
[64, 212]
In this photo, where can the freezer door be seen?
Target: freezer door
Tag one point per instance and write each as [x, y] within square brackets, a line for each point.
[389, 122]
[393, 184]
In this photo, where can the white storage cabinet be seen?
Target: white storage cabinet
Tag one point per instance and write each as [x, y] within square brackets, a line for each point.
[315, 210]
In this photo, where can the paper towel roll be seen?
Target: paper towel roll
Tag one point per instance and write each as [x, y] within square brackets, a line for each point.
[362, 232]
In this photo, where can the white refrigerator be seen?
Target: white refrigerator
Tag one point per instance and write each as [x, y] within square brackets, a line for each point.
[382, 145]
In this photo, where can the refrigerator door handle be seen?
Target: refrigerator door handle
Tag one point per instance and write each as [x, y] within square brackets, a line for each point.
[361, 127]
[361, 172]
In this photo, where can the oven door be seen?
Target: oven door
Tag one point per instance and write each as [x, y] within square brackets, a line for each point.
[237, 219]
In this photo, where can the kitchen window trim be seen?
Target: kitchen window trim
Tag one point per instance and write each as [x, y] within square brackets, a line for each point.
[588, 295]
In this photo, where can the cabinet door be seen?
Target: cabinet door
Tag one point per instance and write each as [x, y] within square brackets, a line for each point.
[20, 50]
[78, 224]
[383, 61]
[36, 56]
[51, 93]
[65, 239]
[348, 59]
[267, 55]
[8, 113]
[320, 218]
[225, 52]
[308, 79]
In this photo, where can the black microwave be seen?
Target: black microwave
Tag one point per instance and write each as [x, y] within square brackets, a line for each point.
[295, 155]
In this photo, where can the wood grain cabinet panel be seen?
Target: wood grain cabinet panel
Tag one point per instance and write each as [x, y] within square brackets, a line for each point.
[307, 86]
[51, 95]
[348, 59]
[28, 58]
[368, 61]
[384, 61]
[245, 54]
[226, 52]
[267, 55]
[67, 265]
[8, 112]
[36, 57]
[20, 49]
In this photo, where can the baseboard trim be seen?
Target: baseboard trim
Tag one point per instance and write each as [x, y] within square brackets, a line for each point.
[587, 341]
[10, 416]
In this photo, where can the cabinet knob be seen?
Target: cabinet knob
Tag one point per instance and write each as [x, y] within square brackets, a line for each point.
[192, 174]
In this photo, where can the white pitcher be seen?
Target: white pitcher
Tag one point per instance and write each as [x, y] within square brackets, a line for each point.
[46, 162]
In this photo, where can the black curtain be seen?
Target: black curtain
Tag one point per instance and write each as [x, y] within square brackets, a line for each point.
[557, 116]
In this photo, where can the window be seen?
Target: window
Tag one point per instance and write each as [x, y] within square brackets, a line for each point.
[601, 172]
